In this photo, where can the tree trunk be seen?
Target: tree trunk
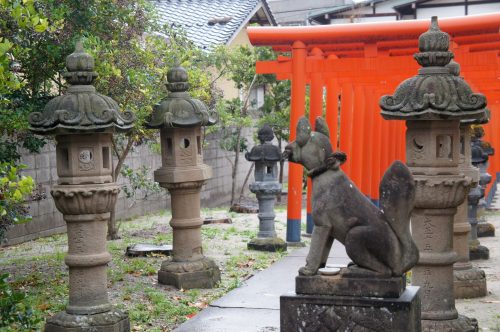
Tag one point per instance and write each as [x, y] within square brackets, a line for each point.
[245, 182]
[235, 167]
[112, 228]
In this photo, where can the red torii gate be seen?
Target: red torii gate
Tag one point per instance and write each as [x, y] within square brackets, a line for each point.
[358, 63]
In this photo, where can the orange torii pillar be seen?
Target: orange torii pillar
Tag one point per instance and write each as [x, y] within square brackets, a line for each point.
[295, 171]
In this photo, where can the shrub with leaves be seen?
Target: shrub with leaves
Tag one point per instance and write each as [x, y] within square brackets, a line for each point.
[13, 190]
[16, 313]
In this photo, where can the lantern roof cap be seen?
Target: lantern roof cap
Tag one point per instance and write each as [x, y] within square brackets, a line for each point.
[265, 151]
[437, 92]
[81, 109]
[179, 109]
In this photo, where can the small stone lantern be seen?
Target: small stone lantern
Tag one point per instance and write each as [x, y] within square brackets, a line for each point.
[180, 118]
[266, 187]
[432, 103]
[83, 122]
[484, 228]
[479, 157]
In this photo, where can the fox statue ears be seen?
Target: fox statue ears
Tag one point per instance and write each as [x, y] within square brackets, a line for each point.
[304, 130]
[321, 127]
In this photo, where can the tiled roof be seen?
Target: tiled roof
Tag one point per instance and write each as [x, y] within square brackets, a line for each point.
[208, 22]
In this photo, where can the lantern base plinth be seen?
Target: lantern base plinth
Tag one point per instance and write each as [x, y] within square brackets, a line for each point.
[460, 324]
[111, 321]
[271, 244]
[479, 252]
[469, 283]
[485, 229]
[202, 273]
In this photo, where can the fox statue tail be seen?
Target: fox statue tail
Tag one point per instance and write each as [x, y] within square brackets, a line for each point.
[397, 196]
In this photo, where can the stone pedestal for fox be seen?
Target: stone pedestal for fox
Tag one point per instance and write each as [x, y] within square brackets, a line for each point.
[433, 103]
[371, 293]
[83, 123]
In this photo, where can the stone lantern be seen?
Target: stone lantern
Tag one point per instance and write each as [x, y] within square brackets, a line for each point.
[432, 103]
[469, 281]
[483, 228]
[479, 157]
[180, 118]
[266, 187]
[83, 122]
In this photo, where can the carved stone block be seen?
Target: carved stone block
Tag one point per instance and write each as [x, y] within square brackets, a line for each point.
[111, 321]
[315, 313]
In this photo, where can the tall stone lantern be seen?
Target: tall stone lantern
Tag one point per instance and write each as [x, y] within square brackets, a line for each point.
[266, 186]
[180, 118]
[469, 281]
[432, 103]
[83, 122]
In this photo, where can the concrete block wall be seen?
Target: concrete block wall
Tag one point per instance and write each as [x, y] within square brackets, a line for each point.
[47, 220]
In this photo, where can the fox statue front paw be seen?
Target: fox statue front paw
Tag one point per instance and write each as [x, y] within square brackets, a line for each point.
[305, 271]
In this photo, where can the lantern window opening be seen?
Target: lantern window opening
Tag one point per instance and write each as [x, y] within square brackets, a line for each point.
[169, 146]
[64, 158]
[185, 143]
[105, 157]
[198, 144]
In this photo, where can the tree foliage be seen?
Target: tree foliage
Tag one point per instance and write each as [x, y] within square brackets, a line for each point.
[13, 190]
[238, 65]
[131, 57]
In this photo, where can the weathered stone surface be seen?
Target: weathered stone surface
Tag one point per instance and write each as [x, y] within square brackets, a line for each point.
[203, 273]
[81, 109]
[350, 286]
[377, 241]
[179, 109]
[485, 230]
[433, 103]
[83, 121]
[179, 118]
[316, 313]
[144, 249]
[469, 283]
[111, 321]
[479, 252]
[271, 244]
[266, 186]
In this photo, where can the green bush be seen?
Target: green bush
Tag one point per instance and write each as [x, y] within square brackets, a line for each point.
[13, 190]
[16, 313]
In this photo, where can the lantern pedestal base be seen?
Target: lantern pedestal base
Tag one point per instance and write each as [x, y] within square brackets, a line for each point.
[111, 321]
[469, 283]
[479, 252]
[203, 273]
[485, 229]
[461, 324]
[271, 244]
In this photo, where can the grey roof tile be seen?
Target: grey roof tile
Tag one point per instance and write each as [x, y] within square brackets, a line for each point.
[194, 15]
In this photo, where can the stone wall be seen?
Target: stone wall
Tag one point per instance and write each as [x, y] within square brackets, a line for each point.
[47, 220]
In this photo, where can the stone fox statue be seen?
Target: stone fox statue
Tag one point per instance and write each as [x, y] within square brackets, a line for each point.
[378, 241]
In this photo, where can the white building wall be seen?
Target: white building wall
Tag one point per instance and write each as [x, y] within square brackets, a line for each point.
[451, 11]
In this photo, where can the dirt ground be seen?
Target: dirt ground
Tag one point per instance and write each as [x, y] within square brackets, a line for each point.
[153, 307]
[487, 309]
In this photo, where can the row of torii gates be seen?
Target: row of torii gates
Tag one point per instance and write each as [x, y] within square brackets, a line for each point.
[349, 67]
